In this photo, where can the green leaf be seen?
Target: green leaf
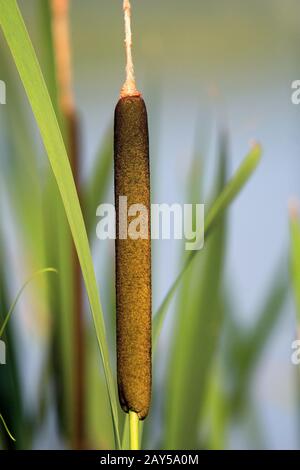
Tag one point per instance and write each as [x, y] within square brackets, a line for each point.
[28, 67]
[125, 436]
[6, 428]
[12, 307]
[215, 417]
[229, 193]
[10, 387]
[295, 258]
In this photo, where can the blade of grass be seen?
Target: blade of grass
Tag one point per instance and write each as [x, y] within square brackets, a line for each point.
[11, 310]
[10, 388]
[222, 202]
[125, 436]
[215, 410]
[6, 428]
[13, 305]
[295, 258]
[19, 42]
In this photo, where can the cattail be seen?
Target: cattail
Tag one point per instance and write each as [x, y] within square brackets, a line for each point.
[133, 256]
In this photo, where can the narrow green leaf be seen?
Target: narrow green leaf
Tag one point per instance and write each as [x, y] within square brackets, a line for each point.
[215, 410]
[28, 67]
[233, 188]
[13, 305]
[125, 436]
[6, 428]
[295, 258]
[10, 387]
[229, 193]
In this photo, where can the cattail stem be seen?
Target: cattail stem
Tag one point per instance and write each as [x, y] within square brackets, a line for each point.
[134, 430]
[62, 51]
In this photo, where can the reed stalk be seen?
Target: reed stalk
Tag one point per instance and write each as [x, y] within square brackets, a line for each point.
[62, 52]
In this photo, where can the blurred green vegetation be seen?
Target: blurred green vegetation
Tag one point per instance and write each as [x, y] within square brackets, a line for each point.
[210, 357]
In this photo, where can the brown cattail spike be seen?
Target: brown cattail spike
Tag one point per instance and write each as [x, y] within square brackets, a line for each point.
[133, 258]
